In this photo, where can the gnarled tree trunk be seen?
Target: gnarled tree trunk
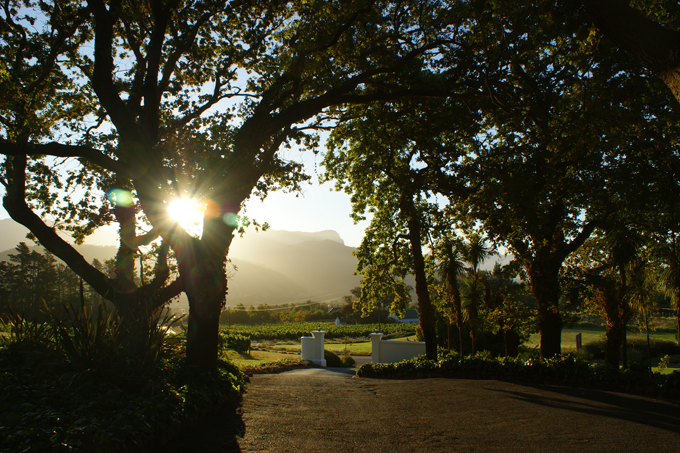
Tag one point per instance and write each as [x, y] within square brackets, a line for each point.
[202, 270]
[546, 289]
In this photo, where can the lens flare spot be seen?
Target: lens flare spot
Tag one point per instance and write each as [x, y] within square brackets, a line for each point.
[120, 197]
[231, 219]
[212, 209]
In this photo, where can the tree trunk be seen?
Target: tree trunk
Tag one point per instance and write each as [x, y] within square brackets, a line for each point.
[454, 291]
[511, 343]
[202, 269]
[677, 322]
[649, 346]
[473, 316]
[425, 307]
[614, 334]
[546, 289]
[613, 343]
[624, 346]
[550, 328]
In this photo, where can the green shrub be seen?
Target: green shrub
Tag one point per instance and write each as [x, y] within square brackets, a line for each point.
[348, 361]
[235, 341]
[332, 359]
[76, 401]
[563, 370]
[637, 349]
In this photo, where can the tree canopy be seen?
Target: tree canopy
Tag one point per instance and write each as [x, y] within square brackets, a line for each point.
[151, 101]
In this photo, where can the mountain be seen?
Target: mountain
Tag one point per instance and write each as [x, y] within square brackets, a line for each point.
[11, 233]
[271, 267]
[89, 252]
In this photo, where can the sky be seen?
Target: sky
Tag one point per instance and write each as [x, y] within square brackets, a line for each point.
[317, 208]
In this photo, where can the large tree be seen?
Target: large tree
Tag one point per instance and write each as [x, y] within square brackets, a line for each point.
[391, 157]
[563, 136]
[164, 99]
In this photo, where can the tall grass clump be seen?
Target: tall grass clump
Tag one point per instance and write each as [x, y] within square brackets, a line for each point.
[81, 382]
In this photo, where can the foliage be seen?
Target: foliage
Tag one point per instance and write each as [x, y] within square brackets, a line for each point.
[149, 103]
[295, 330]
[237, 342]
[637, 348]
[562, 370]
[56, 395]
[332, 359]
[347, 361]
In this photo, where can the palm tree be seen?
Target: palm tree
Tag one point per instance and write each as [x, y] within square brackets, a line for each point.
[669, 278]
[641, 296]
[450, 267]
[623, 244]
[475, 252]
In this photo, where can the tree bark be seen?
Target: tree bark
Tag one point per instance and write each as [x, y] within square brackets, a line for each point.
[613, 344]
[202, 269]
[511, 343]
[473, 317]
[425, 308]
[608, 301]
[545, 286]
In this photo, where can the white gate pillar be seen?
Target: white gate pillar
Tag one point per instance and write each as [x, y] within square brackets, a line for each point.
[312, 347]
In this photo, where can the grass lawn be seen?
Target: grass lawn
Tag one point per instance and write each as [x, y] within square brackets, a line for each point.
[595, 333]
[340, 348]
[351, 348]
[257, 358]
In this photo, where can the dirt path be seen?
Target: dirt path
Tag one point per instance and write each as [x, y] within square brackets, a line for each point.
[324, 410]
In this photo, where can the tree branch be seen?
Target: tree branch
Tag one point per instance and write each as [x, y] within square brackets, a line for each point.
[655, 45]
[59, 150]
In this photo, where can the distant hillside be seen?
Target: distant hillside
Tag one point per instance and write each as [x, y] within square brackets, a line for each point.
[11, 233]
[274, 266]
[89, 252]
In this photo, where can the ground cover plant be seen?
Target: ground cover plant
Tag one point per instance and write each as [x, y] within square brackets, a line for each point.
[565, 369]
[86, 387]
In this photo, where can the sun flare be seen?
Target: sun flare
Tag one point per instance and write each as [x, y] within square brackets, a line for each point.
[188, 213]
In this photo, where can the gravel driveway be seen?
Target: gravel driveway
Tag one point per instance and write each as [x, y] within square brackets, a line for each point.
[328, 410]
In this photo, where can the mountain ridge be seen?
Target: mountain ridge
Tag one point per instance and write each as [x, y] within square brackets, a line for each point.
[274, 266]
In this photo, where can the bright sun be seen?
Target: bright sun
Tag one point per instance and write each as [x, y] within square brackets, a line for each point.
[184, 209]
[188, 213]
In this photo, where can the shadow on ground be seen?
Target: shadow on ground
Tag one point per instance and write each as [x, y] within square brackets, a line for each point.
[216, 432]
[651, 412]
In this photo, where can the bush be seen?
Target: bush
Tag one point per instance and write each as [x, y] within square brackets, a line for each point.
[562, 370]
[332, 359]
[348, 362]
[56, 394]
[235, 341]
[637, 349]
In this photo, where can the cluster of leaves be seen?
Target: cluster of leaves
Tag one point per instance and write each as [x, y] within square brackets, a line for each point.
[235, 341]
[657, 348]
[293, 331]
[561, 370]
[90, 389]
